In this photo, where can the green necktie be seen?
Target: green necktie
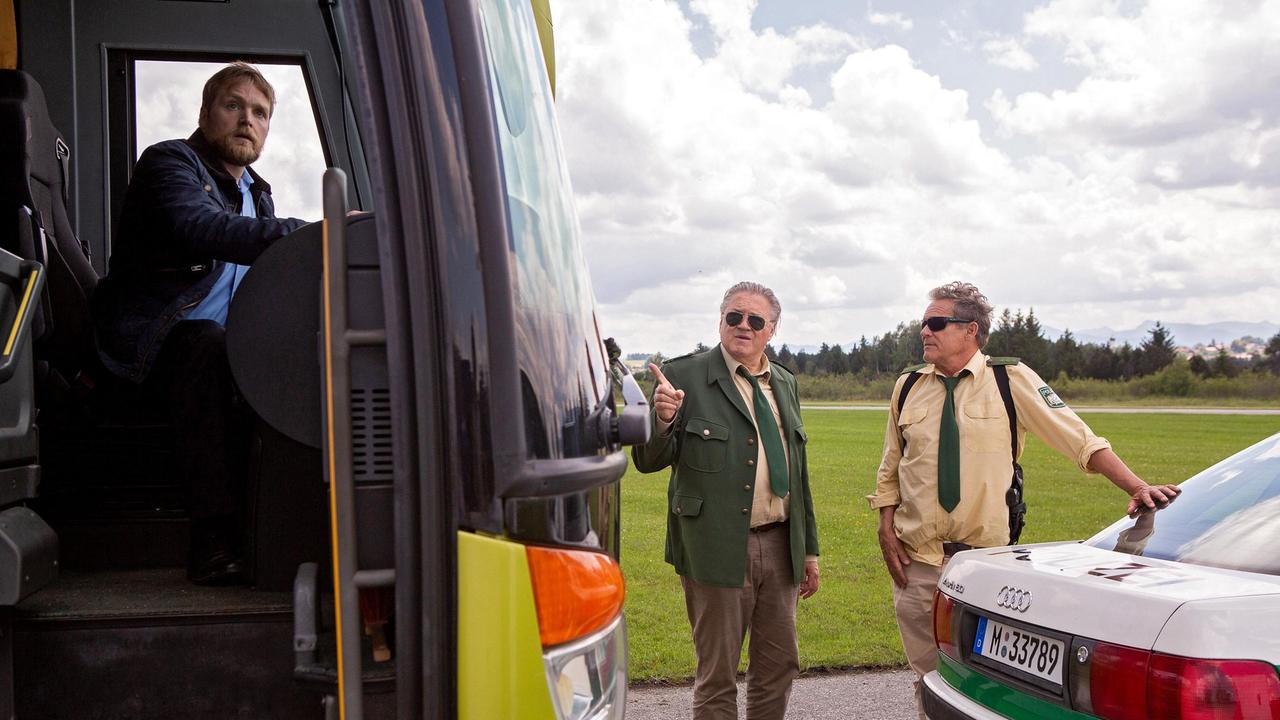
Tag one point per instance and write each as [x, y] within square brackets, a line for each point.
[769, 437]
[949, 447]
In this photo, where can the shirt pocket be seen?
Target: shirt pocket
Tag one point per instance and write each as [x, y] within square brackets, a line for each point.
[705, 445]
[986, 428]
[910, 429]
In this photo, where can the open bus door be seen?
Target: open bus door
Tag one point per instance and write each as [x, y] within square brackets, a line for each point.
[440, 404]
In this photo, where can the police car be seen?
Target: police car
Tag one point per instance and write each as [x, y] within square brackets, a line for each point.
[1173, 615]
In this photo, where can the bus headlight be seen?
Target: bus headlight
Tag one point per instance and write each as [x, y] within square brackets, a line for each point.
[588, 677]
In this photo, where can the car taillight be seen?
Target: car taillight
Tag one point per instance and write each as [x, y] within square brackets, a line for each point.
[1118, 682]
[1190, 689]
[1131, 684]
[943, 610]
[576, 592]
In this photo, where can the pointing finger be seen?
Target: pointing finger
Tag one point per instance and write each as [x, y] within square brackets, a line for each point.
[657, 374]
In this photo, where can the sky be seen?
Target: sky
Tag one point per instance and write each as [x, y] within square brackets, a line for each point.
[1104, 163]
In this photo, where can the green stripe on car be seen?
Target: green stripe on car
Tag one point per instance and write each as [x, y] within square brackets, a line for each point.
[1001, 699]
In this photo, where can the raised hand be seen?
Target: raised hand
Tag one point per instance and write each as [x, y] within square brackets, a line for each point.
[666, 399]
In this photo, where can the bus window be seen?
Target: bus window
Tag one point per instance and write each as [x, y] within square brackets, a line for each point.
[168, 104]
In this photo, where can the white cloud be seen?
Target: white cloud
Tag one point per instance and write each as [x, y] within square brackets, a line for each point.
[1182, 84]
[695, 172]
[897, 21]
[1009, 53]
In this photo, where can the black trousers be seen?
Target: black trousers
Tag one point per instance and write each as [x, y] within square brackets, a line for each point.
[192, 380]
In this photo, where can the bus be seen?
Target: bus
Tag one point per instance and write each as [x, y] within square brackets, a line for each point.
[437, 420]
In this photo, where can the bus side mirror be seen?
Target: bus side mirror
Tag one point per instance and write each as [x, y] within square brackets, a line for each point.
[631, 426]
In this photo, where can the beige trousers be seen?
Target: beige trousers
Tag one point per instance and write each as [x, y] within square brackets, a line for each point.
[721, 617]
[913, 606]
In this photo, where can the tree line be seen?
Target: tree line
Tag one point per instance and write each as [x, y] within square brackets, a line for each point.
[1021, 335]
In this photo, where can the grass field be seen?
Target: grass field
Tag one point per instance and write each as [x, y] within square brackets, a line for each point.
[850, 621]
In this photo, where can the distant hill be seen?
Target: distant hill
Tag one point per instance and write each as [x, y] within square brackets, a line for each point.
[1186, 334]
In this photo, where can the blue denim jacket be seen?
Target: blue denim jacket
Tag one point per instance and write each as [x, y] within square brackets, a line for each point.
[181, 222]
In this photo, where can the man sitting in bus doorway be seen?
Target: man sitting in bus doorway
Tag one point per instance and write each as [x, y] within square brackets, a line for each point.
[741, 531]
[195, 216]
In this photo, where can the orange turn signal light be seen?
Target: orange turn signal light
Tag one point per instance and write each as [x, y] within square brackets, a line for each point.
[576, 592]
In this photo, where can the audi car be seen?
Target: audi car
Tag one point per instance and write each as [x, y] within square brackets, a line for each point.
[1173, 615]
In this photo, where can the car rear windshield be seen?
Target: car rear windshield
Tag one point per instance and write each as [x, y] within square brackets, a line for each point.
[1227, 516]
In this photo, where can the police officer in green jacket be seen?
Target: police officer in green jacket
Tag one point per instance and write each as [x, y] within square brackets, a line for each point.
[740, 523]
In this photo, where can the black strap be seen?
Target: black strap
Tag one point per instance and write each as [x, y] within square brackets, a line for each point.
[902, 400]
[1012, 496]
[1002, 382]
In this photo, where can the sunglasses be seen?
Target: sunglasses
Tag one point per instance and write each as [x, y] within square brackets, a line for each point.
[733, 318]
[938, 322]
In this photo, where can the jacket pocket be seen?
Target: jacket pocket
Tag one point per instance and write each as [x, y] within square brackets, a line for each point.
[705, 445]
[986, 427]
[686, 505]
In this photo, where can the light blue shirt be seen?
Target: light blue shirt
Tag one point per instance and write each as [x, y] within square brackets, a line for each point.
[215, 304]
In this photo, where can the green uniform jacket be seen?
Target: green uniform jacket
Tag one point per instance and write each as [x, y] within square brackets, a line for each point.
[709, 496]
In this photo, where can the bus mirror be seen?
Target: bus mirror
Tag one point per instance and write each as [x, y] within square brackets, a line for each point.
[631, 426]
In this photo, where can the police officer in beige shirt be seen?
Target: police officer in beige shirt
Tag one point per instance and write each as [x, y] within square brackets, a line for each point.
[948, 463]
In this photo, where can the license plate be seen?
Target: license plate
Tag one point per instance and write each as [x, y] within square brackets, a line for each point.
[1029, 652]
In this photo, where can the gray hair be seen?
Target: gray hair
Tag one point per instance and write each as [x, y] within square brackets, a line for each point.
[753, 288]
[971, 305]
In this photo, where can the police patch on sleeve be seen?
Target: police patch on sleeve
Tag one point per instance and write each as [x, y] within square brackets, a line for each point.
[1051, 398]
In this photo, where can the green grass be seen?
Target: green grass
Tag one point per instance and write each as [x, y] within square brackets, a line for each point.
[850, 621]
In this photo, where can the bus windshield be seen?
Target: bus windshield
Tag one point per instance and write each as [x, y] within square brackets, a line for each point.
[559, 351]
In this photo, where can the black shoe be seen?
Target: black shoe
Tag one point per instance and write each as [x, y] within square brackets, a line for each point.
[220, 568]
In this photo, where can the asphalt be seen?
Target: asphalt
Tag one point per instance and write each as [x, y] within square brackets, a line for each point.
[857, 695]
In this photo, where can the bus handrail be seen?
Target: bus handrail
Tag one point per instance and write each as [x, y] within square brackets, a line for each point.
[545, 478]
[11, 269]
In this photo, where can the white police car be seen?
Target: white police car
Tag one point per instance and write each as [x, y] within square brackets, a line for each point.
[1174, 615]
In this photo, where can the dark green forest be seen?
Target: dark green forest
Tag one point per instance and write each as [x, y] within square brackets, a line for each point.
[1152, 370]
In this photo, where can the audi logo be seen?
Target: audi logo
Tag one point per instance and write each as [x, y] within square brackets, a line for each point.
[1013, 598]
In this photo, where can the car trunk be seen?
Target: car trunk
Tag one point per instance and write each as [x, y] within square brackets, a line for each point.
[1083, 590]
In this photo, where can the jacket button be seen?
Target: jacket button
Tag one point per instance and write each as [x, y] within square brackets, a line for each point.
[751, 441]
[745, 511]
[208, 188]
[750, 463]
[746, 487]
[678, 509]
[706, 431]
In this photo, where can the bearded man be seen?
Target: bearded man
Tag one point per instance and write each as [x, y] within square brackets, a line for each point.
[195, 217]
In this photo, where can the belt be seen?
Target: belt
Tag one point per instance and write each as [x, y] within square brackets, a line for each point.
[951, 548]
[769, 526]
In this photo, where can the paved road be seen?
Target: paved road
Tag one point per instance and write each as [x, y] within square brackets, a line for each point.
[1087, 409]
[859, 695]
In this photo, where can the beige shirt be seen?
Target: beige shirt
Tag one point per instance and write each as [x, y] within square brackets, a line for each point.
[910, 480]
[765, 506]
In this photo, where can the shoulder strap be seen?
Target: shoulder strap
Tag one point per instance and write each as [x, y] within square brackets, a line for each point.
[1002, 382]
[906, 388]
[902, 400]
[1012, 496]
